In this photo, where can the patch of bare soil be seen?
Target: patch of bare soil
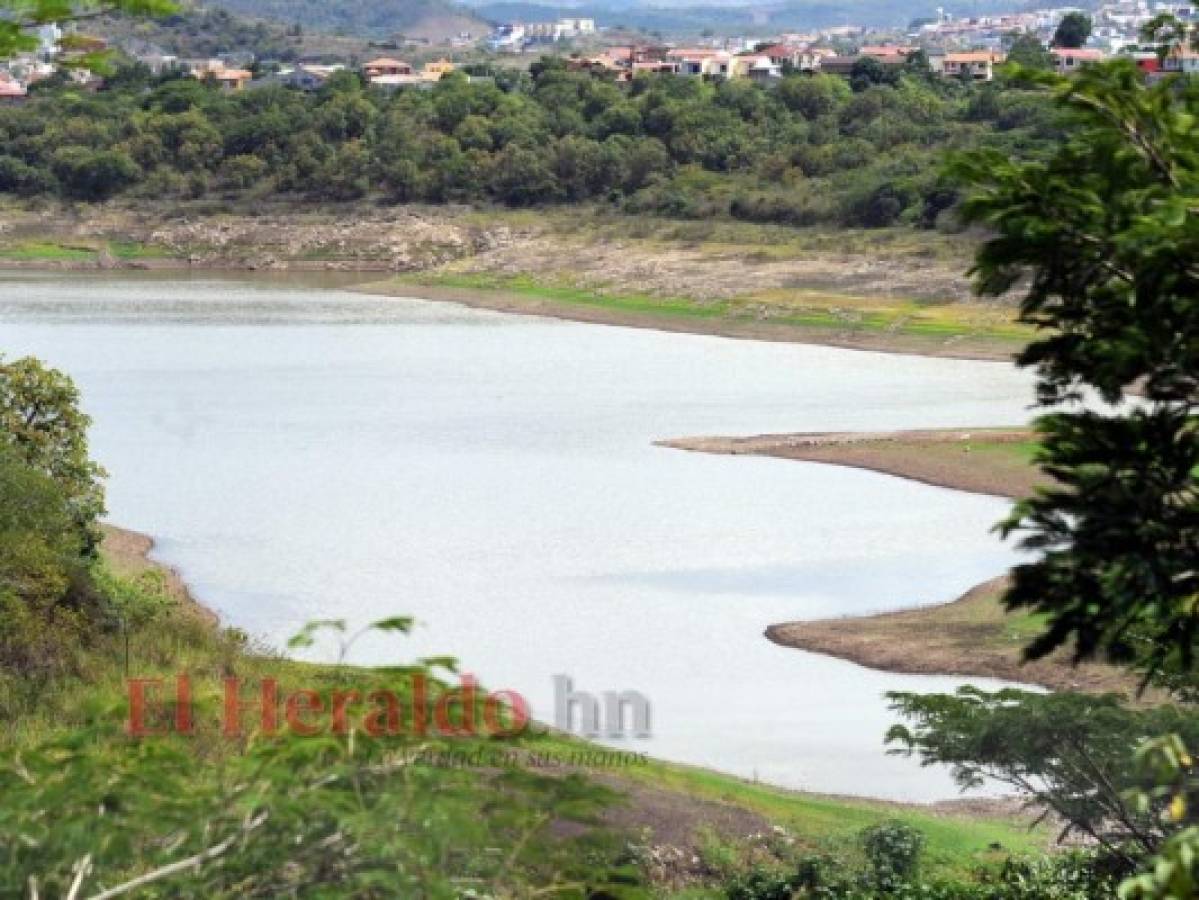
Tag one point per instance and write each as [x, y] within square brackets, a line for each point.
[680, 270]
[943, 458]
[970, 637]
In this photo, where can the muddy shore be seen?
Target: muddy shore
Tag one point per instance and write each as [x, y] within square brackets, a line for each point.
[959, 459]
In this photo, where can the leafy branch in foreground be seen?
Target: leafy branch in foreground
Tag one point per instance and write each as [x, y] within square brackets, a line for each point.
[99, 815]
[19, 17]
[1106, 237]
[1070, 754]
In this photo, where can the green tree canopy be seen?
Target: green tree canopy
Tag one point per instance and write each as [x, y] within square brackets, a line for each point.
[1073, 30]
[1028, 51]
[1105, 235]
[40, 420]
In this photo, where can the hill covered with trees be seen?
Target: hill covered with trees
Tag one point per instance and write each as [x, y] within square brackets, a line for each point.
[813, 150]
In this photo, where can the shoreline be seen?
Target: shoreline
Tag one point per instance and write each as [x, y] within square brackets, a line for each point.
[128, 553]
[671, 798]
[920, 455]
[515, 302]
[971, 636]
[893, 293]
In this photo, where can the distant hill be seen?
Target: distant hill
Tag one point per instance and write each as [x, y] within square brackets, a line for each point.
[435, 20]
[199, 32]
[688, 15]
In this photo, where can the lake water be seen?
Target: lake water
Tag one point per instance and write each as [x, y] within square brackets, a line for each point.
[305, 452]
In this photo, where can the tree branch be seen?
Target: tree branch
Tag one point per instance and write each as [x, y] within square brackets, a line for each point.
[182, 865]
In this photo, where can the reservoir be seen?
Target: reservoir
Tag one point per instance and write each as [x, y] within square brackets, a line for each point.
[300, 451]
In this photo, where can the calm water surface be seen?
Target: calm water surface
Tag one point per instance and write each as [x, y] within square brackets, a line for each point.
[304, 452]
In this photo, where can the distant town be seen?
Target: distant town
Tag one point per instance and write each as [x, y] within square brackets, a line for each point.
[968, 48]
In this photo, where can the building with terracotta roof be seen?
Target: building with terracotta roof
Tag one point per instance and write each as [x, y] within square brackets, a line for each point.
[385, 66]
[1067, 60]
[976, 64]
[11, 90]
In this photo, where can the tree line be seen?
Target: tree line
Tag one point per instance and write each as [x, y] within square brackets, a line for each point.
[812, 150]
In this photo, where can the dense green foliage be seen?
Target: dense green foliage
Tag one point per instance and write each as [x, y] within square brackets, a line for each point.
[336, 815]
[40, 421]
[889, 870]
[1073, 30]
[1104, 235]
[810, 151]
[1108, 231]
[1073, 753]
[52, 498]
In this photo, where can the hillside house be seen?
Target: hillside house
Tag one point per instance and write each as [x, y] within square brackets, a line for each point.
[230, 80]
[11, 91]
[433, 71]
[978, 65]
[1068, 60]
[385, 66]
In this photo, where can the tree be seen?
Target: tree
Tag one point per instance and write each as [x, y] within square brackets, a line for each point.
[1104, 236]
[1028, 51]
[523, 177]
[40, 420]
[868, 71]
[1073, 31]
[1070, 753]
[1106, 233]
[812, 96]
[94, 175]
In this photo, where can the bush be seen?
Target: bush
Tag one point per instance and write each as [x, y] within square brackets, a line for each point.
[17, 177]
[893, 852]
[94, 176]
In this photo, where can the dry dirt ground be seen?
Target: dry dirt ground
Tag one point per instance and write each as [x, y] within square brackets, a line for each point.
[963, 459]
[427, 239]
[896, 291]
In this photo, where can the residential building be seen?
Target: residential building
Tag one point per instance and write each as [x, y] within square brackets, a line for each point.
[433, 71]
[1069, 60]
[976, 64]
[1181, 61]
[385, 66]
[232, 80]
[838, 65]
[509, 38]
[11, 90]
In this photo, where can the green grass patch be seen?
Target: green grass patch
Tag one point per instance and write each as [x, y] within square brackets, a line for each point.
[956, 846]
[48, 251]
[568, 294]
[133, 250]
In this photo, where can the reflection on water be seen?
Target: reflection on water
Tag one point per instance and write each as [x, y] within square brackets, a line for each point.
[302, 452]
